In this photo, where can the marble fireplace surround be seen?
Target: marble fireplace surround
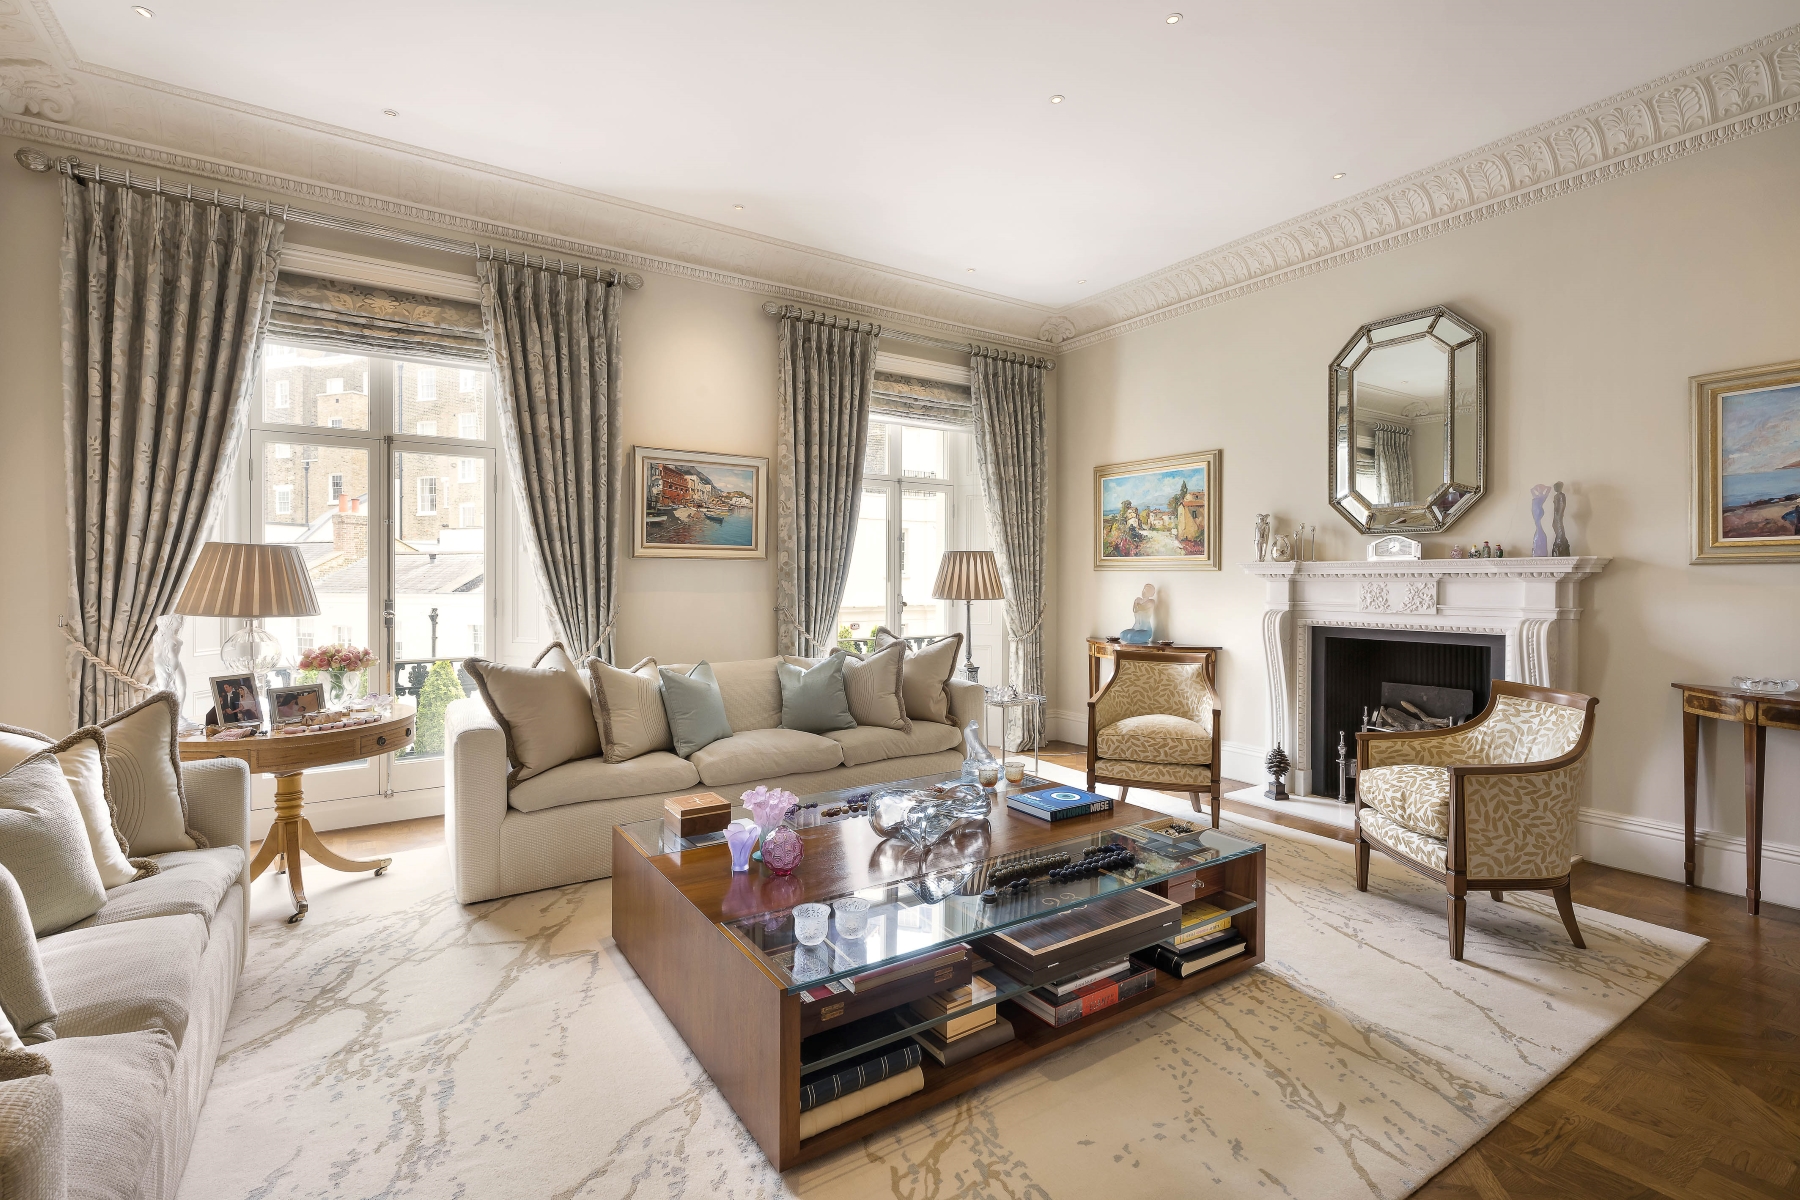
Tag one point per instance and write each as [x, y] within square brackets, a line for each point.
[1532, 602]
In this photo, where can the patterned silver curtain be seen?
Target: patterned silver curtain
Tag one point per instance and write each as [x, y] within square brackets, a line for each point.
[327, 312]
[822, 422]
[1008, 392]
[163, 306]
[555, 344]
[1393, 464]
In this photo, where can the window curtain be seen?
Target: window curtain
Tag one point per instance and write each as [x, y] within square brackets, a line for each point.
[1393, 464]
[555, 346]
[363, 319]
[827, 375]
[1008, 394]
[164, 301]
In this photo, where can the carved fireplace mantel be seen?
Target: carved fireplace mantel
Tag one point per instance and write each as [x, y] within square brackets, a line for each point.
[1531, 602]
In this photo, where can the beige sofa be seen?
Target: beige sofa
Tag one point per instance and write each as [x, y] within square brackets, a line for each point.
[142, 990]
[556, 828]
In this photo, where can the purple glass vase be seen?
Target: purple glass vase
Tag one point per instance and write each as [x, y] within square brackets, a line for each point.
[741, 836]
[782, 850]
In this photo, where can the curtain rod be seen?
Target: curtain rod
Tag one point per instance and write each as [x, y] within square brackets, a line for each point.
[902, 335]
[33, 159]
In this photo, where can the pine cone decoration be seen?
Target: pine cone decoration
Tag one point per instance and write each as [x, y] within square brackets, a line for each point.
[1277, 762]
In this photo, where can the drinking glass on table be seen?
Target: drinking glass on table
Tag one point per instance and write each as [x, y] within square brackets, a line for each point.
[810, 923]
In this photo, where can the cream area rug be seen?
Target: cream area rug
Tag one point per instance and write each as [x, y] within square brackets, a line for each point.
[397, 1044]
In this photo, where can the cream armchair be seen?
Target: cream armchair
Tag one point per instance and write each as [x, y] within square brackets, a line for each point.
[1155, 723]
[1490, 805]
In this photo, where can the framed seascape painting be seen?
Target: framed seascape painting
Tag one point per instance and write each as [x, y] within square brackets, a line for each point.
[1746, 468]
[1158, 513]
[690, 504]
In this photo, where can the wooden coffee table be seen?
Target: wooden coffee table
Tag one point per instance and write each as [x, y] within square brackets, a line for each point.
[675, 904]
[288, 758]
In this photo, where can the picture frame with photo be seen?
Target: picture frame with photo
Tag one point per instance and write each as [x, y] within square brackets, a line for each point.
[697, 504]
[295, 702]
[1744, 506]
[236, 699]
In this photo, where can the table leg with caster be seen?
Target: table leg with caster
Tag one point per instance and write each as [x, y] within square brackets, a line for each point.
[309, 842]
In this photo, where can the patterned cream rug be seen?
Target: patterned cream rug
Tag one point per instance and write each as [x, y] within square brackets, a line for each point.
[397, 1044]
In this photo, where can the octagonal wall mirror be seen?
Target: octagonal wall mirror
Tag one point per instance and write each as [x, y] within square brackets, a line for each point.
[1409, 423]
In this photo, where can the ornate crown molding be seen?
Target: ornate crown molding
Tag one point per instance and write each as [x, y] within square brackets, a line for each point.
[1744, 91]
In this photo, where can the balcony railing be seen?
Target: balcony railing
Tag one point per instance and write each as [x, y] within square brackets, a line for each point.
[433, 684]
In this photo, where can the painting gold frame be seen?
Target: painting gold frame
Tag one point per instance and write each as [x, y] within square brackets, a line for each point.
[643, 547]
[1207, 461]
[1706, 504]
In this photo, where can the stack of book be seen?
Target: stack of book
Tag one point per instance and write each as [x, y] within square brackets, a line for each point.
[1086, 992]
[978, 1025]
[844, 1000]
[1058, 803]
[1206, 937]
[847, 1089]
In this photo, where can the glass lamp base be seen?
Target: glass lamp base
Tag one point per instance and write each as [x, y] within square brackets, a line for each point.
[252, 650]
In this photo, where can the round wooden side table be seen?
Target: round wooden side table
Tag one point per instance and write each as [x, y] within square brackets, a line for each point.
[288, 758]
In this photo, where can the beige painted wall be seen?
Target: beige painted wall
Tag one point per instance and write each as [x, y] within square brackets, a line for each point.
[1599, 306]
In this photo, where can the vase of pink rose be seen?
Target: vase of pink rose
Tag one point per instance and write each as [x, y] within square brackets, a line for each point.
[344, 667]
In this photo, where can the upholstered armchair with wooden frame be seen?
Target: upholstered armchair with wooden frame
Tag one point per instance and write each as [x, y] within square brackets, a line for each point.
[1486, 806]
[1155, 724]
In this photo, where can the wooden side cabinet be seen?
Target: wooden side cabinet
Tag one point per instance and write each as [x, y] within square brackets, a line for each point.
[1757, 712]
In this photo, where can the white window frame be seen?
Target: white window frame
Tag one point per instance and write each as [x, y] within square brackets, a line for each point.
[895, 482]
[426, 429]
[284, 499]
[468, 470]
[334, 486]
[427, 389]
[281, 398]
[464, 511]
[468, 424]
[333, 387]
[427, 490]
[468, 381]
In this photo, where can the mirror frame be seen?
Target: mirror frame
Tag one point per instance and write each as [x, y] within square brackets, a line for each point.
[1451, 499]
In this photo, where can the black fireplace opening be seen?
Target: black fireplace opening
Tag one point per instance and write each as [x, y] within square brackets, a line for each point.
[1350, 666]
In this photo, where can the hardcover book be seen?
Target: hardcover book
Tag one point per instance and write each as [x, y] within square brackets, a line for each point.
[950, 1052]
[1181, 965]
[1061, 1010]
[1051, 948]
[972, 1003]
[1070, 983]
[857, 1073]
[848, 1107]
[887, 988]
[1059, 803]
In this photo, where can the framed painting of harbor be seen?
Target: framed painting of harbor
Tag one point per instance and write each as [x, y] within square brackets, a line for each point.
[691, 504]
[1158, 514]
[1745, 506]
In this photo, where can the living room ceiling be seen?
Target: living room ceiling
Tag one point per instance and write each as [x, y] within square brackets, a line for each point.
[923, 137]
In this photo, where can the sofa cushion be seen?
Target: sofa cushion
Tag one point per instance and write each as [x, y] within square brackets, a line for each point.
[25, 997]
[124, 977]
[114, 1090]
[44, 843]
[595, 779]
[763, 754]
[870, 743]
[1420, 847]
[543, 711]
[82, 756]
[926, 675]
[751, 691]
[1408, 794]
[695, 707]
[187, 882]
[628, 708]
[143, 778]
[812, 698]
[1156, 737]
[876, 686]
[31, 1138]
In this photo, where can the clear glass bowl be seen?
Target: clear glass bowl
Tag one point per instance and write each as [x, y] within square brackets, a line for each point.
[1764, 685]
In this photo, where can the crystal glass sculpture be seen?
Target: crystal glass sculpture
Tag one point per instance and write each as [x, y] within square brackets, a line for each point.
[782, 850]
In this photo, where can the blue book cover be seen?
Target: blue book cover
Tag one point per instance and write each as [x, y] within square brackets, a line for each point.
[1055, 802]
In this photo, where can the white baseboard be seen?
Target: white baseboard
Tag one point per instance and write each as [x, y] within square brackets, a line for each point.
[1062, 725]
[358, 810]
[1652, 847]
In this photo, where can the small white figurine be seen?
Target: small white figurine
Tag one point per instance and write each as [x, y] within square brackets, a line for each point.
[1143, 618]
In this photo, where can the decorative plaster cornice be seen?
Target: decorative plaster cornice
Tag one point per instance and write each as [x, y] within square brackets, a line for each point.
[1744, 91]
[1577, 567]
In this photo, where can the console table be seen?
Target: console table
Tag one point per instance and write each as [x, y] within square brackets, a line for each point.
[1100, 649]
[1757, 712]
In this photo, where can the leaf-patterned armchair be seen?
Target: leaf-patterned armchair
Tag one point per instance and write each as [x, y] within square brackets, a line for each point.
[1155, 723]
[1490, 805]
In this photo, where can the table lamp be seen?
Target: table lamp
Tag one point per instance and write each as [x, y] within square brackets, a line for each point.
[245, 579]
[968, 575]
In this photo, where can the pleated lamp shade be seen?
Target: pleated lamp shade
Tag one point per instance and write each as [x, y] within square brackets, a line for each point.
[968, 575]
[243, 579]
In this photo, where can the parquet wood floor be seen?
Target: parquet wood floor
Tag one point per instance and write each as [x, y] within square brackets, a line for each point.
[1696, 1096]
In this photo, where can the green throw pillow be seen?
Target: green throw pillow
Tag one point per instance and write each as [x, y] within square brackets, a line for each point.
[695, 708]
[813, 699]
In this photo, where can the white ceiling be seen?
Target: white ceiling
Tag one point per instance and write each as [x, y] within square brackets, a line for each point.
[920, 136]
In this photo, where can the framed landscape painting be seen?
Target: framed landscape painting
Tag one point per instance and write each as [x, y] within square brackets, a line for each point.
[1158, 513]
[1746, 465]
[691, 504]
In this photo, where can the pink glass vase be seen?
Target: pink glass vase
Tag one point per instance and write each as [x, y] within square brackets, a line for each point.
[782, 850]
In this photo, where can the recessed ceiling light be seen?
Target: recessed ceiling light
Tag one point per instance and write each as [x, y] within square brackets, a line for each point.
[1340, 174]
[390, 112]
[737, 208]
[1173, 18]
[1057, 99]
[141, 11]
[1081, 281]
[971, 270]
